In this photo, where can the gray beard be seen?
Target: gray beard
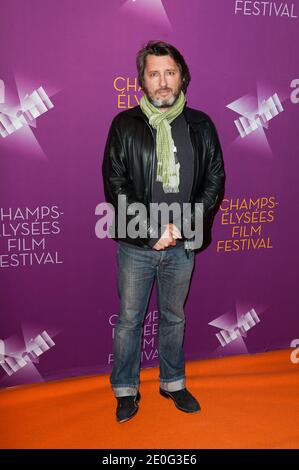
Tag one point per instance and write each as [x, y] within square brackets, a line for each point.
[163, 103]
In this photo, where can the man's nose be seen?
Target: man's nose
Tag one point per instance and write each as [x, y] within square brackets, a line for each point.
[163, 81]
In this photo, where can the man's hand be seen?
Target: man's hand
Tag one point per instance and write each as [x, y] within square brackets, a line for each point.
[168, 238]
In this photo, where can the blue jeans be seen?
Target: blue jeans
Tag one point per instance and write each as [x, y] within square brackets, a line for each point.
[137, 270]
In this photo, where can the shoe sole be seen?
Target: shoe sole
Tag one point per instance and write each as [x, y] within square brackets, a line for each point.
[166, 395]
[120, 421]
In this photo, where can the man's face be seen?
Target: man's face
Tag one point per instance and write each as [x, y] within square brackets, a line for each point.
[162, 81]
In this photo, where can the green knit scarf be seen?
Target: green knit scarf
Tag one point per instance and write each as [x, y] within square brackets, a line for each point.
[168, 171]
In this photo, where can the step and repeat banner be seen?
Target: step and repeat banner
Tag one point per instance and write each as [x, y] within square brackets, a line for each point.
[67, 68]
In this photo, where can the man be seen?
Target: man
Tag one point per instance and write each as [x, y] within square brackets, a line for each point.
[159, 152]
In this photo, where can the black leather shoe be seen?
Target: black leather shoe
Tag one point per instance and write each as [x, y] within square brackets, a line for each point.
[183, 400]
[127, 407]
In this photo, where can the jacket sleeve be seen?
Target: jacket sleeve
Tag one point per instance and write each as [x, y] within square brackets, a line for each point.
[212, 191]
[117, 182]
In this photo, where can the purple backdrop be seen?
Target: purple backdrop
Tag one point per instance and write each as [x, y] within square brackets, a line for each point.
[67, 67]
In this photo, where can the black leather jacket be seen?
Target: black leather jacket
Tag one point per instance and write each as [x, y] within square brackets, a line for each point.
[128, 166]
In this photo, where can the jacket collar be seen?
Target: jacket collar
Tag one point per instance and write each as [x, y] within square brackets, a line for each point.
[193, 116]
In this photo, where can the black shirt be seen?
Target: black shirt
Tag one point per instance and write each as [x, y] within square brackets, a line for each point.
[183, 154]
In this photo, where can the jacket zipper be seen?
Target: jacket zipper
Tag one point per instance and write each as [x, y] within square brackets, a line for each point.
[187, 250]
[193, 178]
[153, 157]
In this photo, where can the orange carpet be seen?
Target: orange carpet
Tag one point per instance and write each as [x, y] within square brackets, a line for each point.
[248, 401]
